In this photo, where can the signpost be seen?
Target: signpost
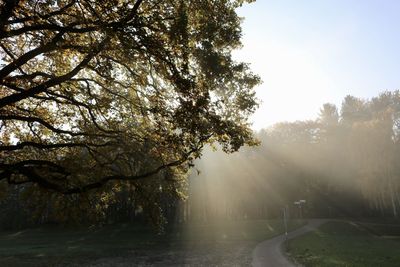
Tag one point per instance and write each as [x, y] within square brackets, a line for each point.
[285, 210]
[300, 203]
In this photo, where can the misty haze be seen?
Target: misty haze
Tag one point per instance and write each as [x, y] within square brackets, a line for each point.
[199, 133]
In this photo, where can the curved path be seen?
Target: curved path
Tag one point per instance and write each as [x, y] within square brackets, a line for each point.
[270, 253]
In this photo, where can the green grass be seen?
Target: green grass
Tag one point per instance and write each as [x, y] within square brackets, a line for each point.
[247, 230]
[347, 244]
[220, 241]
[381, 229]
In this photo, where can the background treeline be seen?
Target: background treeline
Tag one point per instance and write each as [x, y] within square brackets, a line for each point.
[344, 163]
[153, 200]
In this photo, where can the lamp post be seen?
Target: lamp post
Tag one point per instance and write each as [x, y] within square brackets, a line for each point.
[285, 219]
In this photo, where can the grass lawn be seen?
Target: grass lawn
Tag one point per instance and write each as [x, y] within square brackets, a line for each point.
[222, 243]
[348, 244]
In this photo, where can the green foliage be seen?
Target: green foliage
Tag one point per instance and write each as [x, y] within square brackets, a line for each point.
[92, 92]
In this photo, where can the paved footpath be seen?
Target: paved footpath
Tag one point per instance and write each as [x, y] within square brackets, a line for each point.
[270, 252]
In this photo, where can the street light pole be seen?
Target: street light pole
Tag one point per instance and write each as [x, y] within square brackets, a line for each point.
[285, 222]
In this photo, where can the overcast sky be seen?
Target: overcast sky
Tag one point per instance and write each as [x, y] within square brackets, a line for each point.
[309, 52]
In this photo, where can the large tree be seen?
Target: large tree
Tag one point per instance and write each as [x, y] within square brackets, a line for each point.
[96, 91]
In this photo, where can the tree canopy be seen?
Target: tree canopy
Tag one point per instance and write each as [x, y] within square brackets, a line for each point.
[96, 91]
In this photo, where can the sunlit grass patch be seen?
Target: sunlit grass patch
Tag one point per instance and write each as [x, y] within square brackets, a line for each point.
[249, 230]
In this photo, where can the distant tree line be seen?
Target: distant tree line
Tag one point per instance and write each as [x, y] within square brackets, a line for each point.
[344, 163]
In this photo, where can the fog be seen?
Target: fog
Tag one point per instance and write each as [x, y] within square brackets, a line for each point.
[343, 164]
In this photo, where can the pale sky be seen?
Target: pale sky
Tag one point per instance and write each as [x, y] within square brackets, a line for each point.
[309, 52]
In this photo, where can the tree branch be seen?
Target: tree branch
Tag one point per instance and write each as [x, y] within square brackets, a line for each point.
[51, 146]
[17, 63]
[6, 12]
[14, 98]
[27, 169]
[46, 124]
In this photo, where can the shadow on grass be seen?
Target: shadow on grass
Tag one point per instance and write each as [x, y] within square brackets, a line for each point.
[209, 244]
